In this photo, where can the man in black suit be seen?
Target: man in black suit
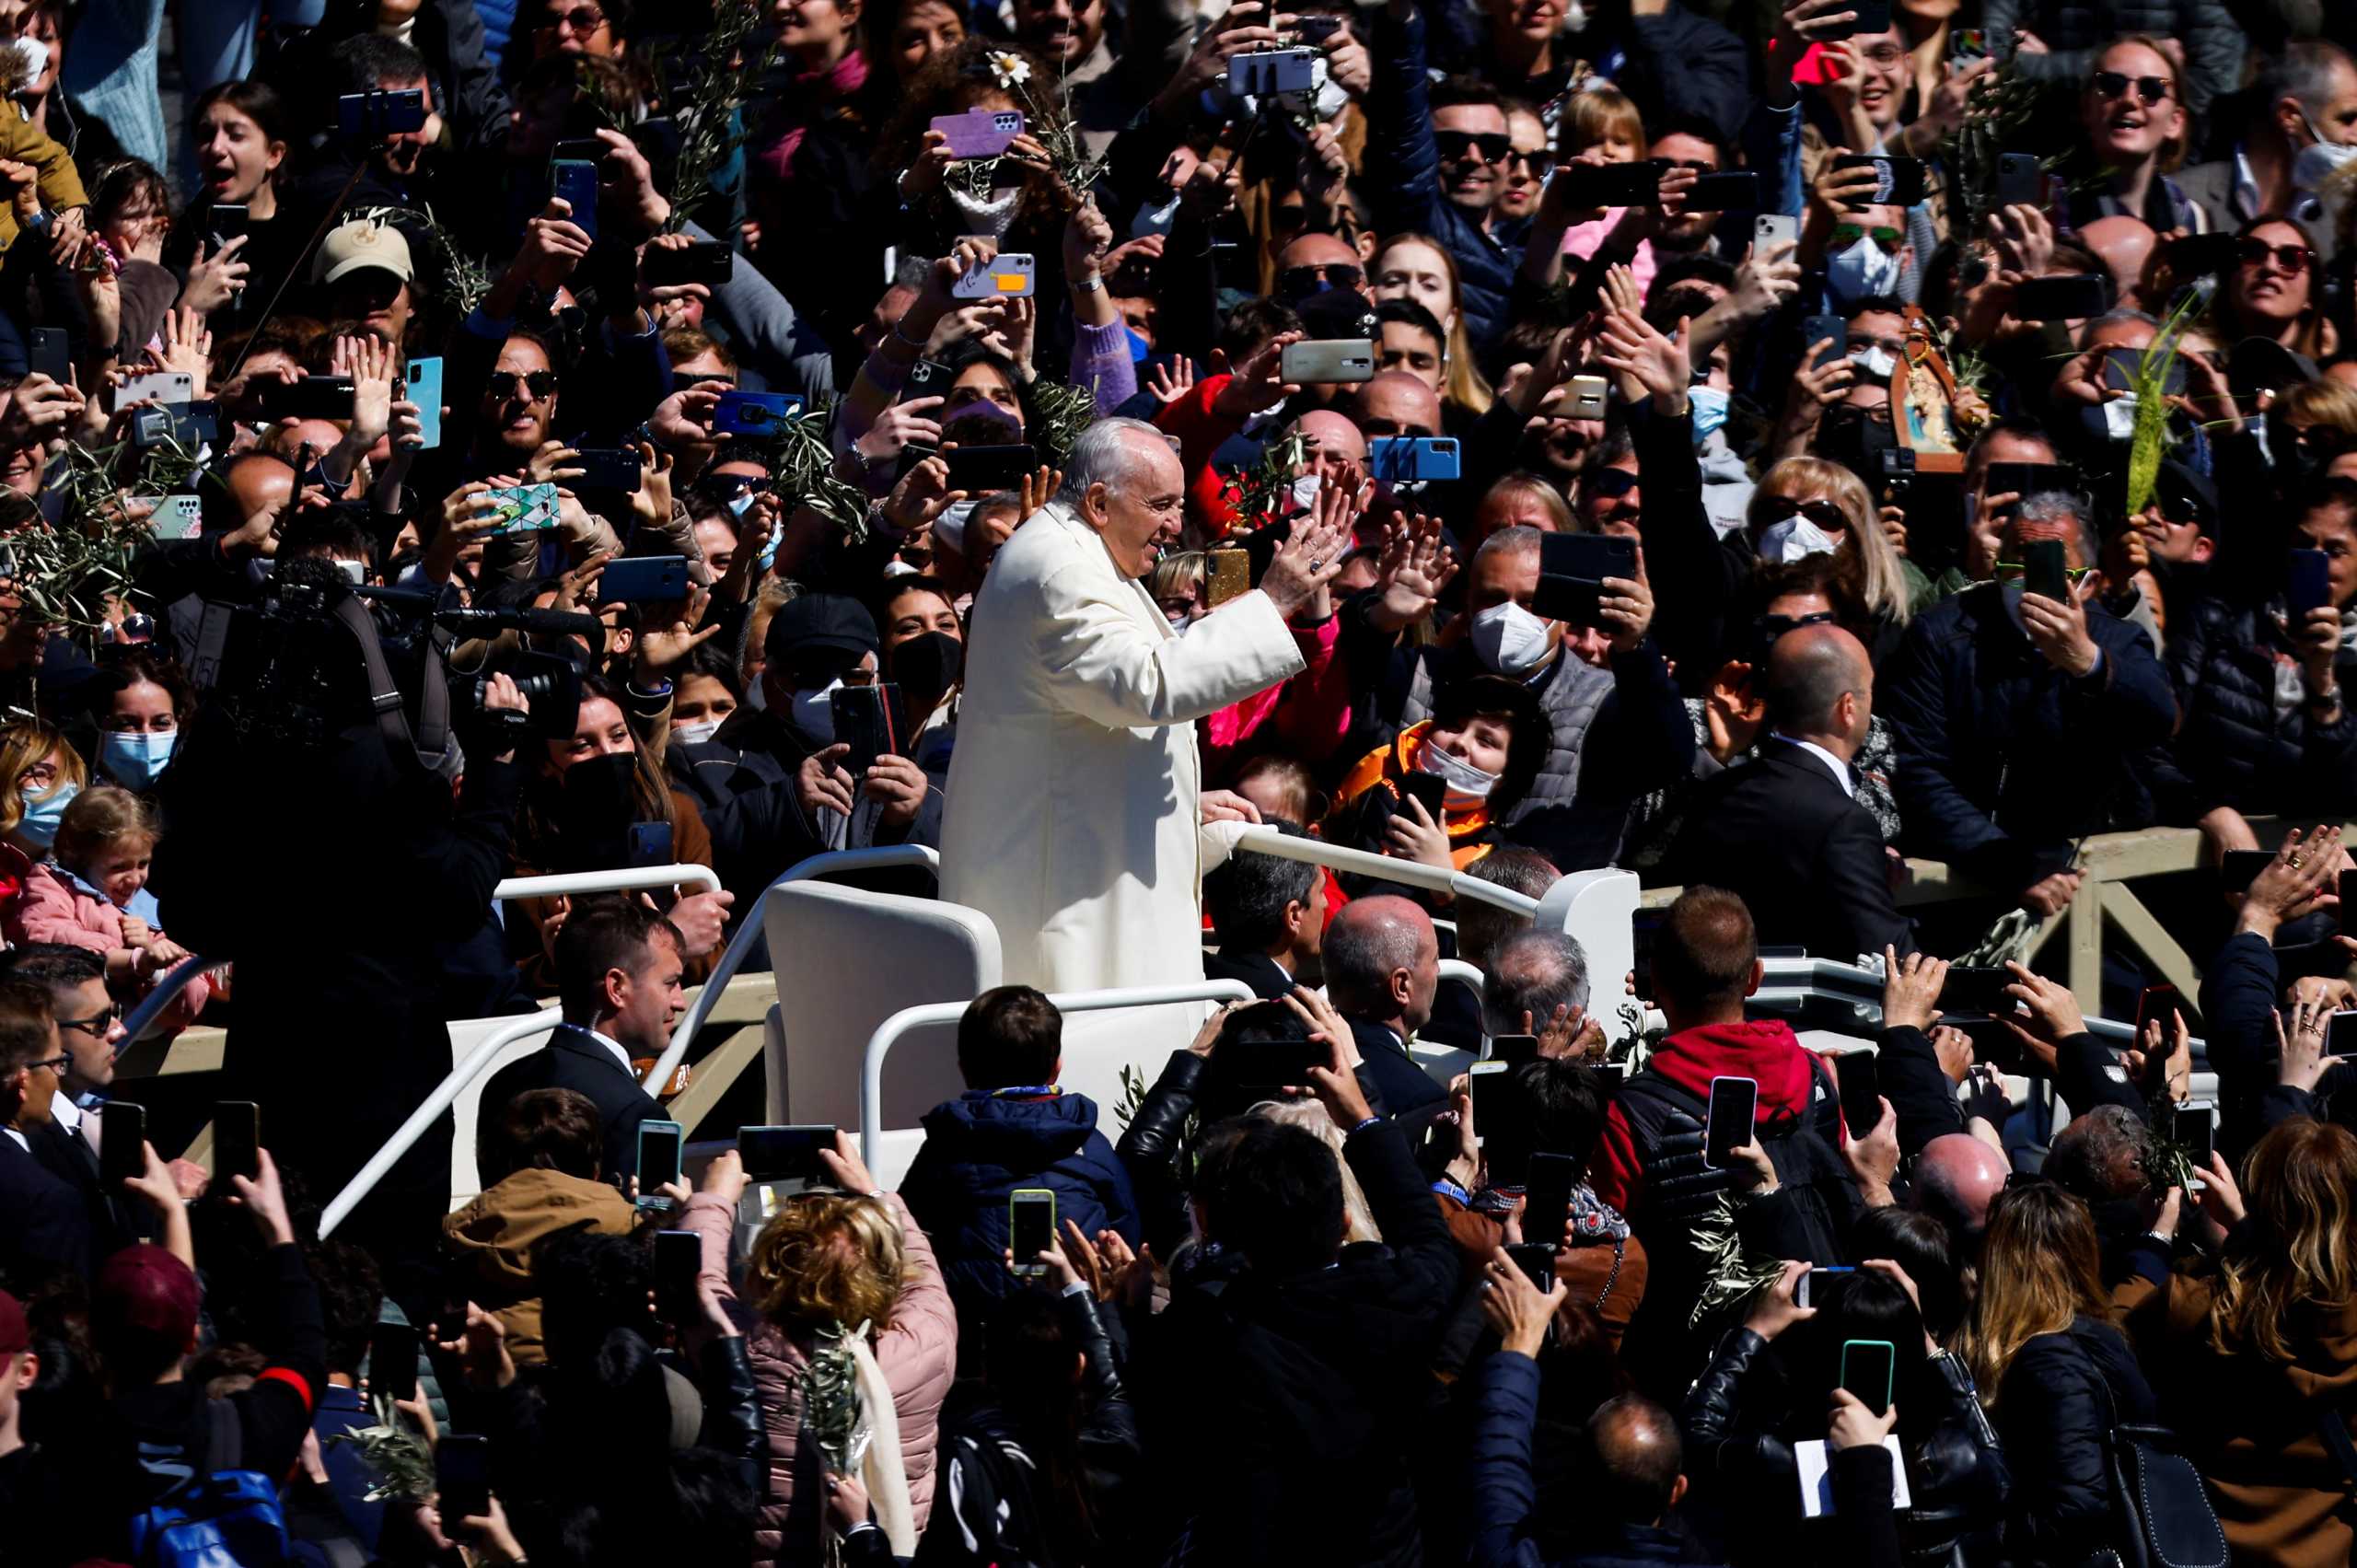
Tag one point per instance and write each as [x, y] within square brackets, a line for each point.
[44, 1228]
[90, 1026]
[1382, 968]
[1270, 917]
[618, 971]
[1784, 832]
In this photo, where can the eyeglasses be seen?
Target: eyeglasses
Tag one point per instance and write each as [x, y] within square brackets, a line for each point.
[2115, 84]
[1848, 234]
[96, 1025]
[2294, 259]
[1774, 626]
[56, 1065]
[1332, 274]
[1457, 146]
[1824, 514]
[1885, 54]
[1540, 161]
[583, 20]
[539, 384]
[1607, 483]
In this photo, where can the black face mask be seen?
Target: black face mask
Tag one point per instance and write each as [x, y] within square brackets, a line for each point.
[926, 667]
[1846, 436]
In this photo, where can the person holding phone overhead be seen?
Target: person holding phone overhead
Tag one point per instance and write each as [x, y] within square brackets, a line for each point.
[1080, 701]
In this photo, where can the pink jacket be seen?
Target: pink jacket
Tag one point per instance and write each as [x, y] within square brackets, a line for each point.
[1307, 715]
[51, 909]
[918, 1356]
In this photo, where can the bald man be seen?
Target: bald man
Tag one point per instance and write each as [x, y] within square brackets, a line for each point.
[1785, 831]
[1382, 970]
[1955, 1179]
[1395, 403]
[2124, 245]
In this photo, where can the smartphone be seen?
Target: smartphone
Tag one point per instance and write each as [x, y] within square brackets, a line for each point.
[1513, 1050]
[123, 1152]
[864, 721]
[1867, 1369]
[313, 396]
[609, 468]
[2157, 1004]
[2195, 1126]
[1614, 1073]
[525, 508]
[177, 516]
[1011, 274]
[927, 379]
[1030, 1228]
[1409, 457]
[383, 113]
[1978, 992]
[1587, 397]
[1229, 575]
[979, 132]
[1872, 17]
[753, 413]
[1734, 1105]
[580, 149]
[1428, 790]
[1547, 1197]
[1537, 1262]
[979, 471]
[1860, 1079]
[678, 1259]
[392, 1361]
[1317, 29]
[169, 387]
[1611, 184]
[659, 1158]
[226, 222]
[575, 183]
[1328, 360]
[1270, 71]
[462, 1473]
[1803, 1293]
[2020, 181]
[2239, 867]
[650, 844]
[2340, 1039]
[1967, 44]
[776, 1154]
[2076, 299]
[2046, 570]
[1771, 229]
[1735, 190]
[2031, 479]
[48, 355]
[1817, 330]
[423, 384]
[237, 1140]
[1645, 928]
[2309, 584]
[1483, 1080]
[1274, 1064]
[2203, 255]
[1898, 181]
[1572, 572]
[190, 425]
[705, 262]
[644, 579]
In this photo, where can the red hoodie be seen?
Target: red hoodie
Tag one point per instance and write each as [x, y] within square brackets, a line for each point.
[1765, 1050]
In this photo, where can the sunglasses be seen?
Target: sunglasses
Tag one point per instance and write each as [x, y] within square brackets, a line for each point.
[1848, 234]
[2291, 257]
[1457, 146]
[2115, 84]
[95, 1026]
[1540, 161]
[1308, 280]
[1823, 512]
[539, 384]
[583, 21]
[1774, 626]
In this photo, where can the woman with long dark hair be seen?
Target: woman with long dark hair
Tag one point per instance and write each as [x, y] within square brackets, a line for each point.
[243, 133]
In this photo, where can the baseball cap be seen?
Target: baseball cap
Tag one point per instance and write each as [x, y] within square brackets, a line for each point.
[361, 243]
[15, 1332]
[819, 620]
[144, 1290]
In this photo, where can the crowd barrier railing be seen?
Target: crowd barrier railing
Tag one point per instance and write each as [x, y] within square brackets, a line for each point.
[620, 879]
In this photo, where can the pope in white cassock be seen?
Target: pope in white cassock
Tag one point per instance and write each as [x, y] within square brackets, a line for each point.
[1073, 804]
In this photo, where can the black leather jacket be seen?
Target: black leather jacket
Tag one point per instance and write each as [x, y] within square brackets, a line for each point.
[733, 1424]
[1740, 1424]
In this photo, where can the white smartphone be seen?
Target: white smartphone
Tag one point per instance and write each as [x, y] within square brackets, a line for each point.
[163, 386]
[1587, 400]
[1323, 359]
[1773, 229]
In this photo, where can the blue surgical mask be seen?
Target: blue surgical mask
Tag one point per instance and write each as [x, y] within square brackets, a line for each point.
[132, 758]
[1140, 350]
[39, 826]
[1709, 406]
[1863, 270]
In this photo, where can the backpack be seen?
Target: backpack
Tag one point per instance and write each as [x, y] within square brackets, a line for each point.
[221, 1516]
[2160, 1506]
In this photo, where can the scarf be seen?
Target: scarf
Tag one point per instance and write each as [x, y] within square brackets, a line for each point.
[819, 90]
[847, 1410]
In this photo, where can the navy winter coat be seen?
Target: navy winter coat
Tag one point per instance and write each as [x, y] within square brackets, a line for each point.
[2232, 749]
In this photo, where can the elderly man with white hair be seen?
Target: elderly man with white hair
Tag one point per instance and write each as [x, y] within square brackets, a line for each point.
[1074, 801]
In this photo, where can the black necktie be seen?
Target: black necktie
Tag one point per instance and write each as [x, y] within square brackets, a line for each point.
[81, 1147]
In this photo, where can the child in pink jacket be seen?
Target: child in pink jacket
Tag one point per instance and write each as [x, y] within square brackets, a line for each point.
[93, 893]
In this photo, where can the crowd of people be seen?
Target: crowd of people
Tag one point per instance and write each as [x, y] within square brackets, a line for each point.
[1748, 446]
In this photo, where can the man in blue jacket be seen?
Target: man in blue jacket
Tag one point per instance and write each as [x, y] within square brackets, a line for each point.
[1010, 1129]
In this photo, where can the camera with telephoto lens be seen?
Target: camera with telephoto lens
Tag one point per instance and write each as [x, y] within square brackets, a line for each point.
[549, 682]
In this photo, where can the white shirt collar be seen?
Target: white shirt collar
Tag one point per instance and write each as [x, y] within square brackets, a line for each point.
[2248, 199]
[615, 1046]
[63, 1110]
[1841, 769]
[19, 1137]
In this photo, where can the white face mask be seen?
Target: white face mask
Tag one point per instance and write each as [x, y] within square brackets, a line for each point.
[36, 57]
[1509, 639]
[2316, 162]
[1467, 783]
[1796, 538]
[1875, 362]
[814, 712]
[1863, 270]
[695, 734]
[1305, 491]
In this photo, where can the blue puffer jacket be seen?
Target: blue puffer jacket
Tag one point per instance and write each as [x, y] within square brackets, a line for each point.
[977, 1149]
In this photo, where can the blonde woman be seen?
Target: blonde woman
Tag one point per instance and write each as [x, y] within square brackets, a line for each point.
[845, 1315]
[1417, 267]
[2053, 1372]
[1809, 506]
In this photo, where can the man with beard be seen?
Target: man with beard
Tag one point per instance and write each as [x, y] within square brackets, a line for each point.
[394, 169]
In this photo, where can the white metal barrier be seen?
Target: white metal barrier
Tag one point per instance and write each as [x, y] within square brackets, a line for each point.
[876, 858]
[1407, 873]
[871, 1066]
[424, 1116]
[620, 879]
[135, 1022]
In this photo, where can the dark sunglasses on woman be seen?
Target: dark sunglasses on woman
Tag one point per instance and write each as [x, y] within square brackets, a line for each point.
[2291, 257]
[1823, 512]
[2115, 84]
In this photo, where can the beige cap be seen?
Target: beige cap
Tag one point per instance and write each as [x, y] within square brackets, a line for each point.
[363, 243]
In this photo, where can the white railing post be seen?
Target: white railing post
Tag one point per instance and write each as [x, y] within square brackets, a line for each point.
[425, 1115]
[871, 1063]
[618, 879]
[1407, 873]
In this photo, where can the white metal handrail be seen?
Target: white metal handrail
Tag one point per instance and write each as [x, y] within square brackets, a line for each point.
[618, 879]
[1457, 969]
[135, 1022]
[1409, 873]
[875, 857]
[424, 1116]
[871, 1065]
